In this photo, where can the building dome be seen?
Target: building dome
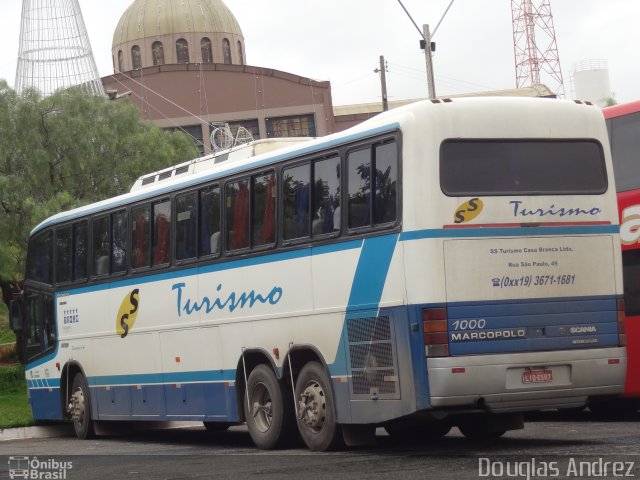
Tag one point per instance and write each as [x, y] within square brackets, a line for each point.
[159, 32]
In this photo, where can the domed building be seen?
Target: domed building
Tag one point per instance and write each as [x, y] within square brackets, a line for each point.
[184, 63]
[159, 32]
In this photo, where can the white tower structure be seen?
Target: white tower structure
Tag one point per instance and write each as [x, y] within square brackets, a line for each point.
[591, 81]
[54, 48]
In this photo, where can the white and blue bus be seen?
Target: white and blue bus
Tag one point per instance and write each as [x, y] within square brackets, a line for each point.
[448, 263]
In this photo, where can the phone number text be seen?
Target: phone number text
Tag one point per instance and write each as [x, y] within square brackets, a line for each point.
[533, 281]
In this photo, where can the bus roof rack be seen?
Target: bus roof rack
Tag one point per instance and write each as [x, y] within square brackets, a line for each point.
[207, 162]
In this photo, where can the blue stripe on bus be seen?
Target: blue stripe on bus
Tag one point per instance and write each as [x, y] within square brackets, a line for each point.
[532, 345]
[164, 378]
[537, 306]
[366, 289]
[508, 232]
[44, 383]
[187, 182]
[371, 273]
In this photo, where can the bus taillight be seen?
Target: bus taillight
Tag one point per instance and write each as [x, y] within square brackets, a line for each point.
[622, 333]
[436, 332]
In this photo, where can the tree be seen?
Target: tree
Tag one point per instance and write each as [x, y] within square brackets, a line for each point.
[64, 151]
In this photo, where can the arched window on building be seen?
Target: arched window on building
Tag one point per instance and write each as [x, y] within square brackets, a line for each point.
[226, 51]
[120, 61]
[205, 48]
[240, 54]
[136, 59]
[157, 51]
[182, 50]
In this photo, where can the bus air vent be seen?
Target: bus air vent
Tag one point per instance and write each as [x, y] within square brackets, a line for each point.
[165, 175]
[373, 368]
[148, 180]
[181, 170]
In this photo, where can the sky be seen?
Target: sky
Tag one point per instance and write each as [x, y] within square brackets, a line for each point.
[342, 40]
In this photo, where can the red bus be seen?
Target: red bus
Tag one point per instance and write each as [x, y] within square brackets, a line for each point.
[623, 123]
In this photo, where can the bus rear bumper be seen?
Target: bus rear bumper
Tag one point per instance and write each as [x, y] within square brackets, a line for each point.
[497, 382]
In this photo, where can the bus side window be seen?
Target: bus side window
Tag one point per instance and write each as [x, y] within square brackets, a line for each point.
[40, 267]
[263, 224]
[63, 255]
[237, 207]
[209, 221]
[296, 193]
[373, 170]
[80, 250]
[119, 241]
[359, 187]
[386, 183]
[161, 232]
[141, 237]
[326, 196]
[100, 242]
[186, 225]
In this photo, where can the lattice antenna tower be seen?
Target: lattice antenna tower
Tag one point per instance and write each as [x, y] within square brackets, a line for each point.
[55, 51]
[534, 45]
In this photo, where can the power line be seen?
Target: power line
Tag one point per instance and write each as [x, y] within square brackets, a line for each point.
[160, 112]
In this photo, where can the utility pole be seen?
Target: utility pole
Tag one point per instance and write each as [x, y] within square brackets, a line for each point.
[428, 46]
[383, 83]
[428, 50]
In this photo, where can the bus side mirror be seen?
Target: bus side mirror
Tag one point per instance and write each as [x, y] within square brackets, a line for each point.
[16, 315]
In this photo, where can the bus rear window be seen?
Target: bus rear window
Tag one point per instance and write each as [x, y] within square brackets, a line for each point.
[625, 150]
[522, 167]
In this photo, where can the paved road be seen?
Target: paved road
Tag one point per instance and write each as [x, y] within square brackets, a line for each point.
[549, 446]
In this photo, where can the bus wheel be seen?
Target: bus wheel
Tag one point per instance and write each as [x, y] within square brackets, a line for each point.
[268, 412]
[80, 408]
[316, 416]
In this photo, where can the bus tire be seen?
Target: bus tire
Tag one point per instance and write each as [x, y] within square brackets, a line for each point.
[80, 408]
[316, 415]
[268, 412]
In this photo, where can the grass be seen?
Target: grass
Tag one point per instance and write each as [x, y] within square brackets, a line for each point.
[6, 334]
[14, 406]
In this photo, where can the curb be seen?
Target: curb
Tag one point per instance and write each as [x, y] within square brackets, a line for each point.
[24, 433]
[102, 428]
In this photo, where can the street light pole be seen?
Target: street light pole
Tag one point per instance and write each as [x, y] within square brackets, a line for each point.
[426, 41]
[383, 83]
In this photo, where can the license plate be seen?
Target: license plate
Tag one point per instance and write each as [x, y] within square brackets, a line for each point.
[537, 376]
